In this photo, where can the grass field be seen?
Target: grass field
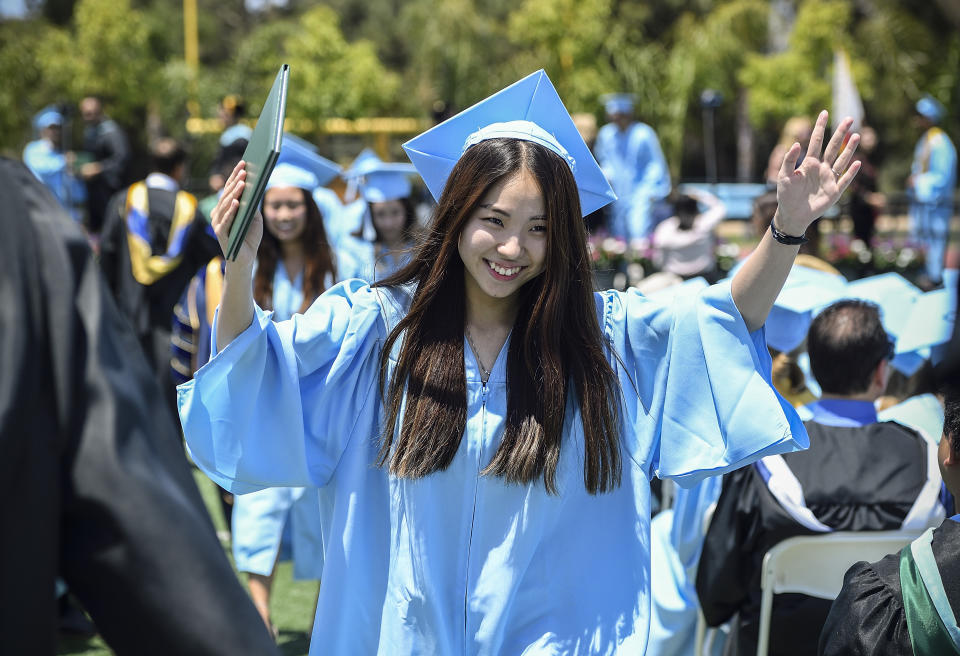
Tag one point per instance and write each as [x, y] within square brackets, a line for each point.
[292, 601]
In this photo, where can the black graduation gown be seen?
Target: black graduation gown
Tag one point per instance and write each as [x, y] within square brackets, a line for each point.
[149, 308]
[867, 617]
[846, 485]
[93, 477]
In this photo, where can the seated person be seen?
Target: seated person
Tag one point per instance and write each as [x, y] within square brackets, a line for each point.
[685, 242]
[908, 602]
[838, 484]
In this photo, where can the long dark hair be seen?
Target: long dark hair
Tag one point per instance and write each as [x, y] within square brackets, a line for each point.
[318, 255]
[556, 340]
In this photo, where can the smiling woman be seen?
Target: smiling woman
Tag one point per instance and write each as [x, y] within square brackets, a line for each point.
[481, 425]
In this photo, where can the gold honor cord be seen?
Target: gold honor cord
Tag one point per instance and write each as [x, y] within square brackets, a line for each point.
[147, 267]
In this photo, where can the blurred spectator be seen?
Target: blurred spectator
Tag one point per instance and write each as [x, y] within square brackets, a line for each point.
[104, 160]
[930, 186]
[46, 159]
[96, 486]
[154, 240]
[233, 141]
[587, 127]
[629, 154]
[685, 242]
[838, 484]
[865, 201]
[796, 130]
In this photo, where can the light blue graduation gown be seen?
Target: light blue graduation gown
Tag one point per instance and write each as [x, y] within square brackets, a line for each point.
[455, 562]
[262, 519]
[635, 166]
[676, 541]
[371, 267]
[934, 171]
[50, 167]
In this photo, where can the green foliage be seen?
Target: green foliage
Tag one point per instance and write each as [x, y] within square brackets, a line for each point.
[355, 58]
[572, 41]
[335, 78]
[797, 81]
[340, 78]
[458, 53]
[110, 42]
[26, 51]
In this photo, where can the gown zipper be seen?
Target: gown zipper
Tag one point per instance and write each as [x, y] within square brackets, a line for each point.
[476, 487]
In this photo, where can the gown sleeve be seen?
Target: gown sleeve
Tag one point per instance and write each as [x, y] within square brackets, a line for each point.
[278, 406]
[867, 617]
[697, 394]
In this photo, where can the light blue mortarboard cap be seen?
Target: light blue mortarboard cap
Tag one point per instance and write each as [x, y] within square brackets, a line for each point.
[805, 293]
[365, 162]
[303, 154]
[929, 327]
[931, 108]
[617, 103]
[286, 174]
[529, 109]
[387, 182]
[895, 295]
[47, 117]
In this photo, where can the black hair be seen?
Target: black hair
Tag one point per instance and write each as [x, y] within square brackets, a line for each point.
[951, 417]
[167, 154]
[846, 343]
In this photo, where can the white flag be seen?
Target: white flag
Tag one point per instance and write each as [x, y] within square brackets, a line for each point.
[846, 98]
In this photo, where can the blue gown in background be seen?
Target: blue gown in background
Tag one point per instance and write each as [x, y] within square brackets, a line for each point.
[371, 265]
[50, 167]
[634, 165]
[262, 520]
[676, 540]
[934, 172]
[456, 562]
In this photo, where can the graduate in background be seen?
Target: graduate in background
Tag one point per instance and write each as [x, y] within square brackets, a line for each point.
[482, 425]
[154, 240]
[385, 242]
[629, 154]
[46, 159]
[839, 484]
[907, 603]
[96, 486]
[933, 178]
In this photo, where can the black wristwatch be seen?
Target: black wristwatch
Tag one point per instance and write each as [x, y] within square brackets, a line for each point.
[786, 239]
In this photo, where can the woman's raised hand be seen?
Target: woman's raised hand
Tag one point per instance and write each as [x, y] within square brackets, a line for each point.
[805, 192]
[225, 212]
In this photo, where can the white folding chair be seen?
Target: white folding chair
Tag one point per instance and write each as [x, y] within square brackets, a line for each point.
[814, 565]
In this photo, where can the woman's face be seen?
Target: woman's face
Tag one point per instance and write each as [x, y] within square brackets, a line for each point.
[504, 242]
[389, 218]
[285, 213]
